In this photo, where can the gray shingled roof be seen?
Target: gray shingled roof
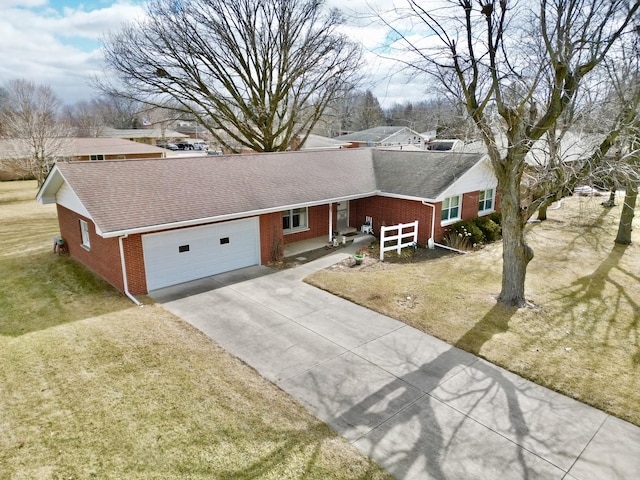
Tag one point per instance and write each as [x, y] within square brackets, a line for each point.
[129, 195]
[126, 195]
[420, 174]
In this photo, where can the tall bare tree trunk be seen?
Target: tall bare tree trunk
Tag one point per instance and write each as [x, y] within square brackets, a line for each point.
[626, 217]
[542, 212]
[516, 253]
[611, 202]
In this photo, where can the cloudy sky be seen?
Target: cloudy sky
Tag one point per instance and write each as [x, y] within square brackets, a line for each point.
[57, 43]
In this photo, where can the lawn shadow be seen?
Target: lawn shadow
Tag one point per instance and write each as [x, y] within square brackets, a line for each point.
[494, 322]
[42, 290]
[290, 446]
[590, 291]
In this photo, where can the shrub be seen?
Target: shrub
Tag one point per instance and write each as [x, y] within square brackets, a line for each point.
[457, 241]
[496, 217]
[469, 230]
[490, 229]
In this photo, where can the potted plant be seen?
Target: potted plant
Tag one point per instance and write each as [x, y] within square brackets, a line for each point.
[359, 257]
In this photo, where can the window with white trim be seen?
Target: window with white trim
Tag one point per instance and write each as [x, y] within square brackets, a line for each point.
[485, 203]
[84, 234]
[98, 156]
[294, 220]
[450, 209]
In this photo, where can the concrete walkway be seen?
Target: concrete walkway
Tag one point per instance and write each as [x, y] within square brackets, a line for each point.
[419, 407]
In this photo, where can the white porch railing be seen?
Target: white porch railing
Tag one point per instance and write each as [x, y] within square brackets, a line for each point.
[400, 237]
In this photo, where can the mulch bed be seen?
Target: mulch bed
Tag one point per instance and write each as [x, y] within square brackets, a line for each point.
[372, 256]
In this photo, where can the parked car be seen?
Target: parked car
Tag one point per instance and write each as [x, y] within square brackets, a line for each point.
[184, 145]
[200, 146]
[168, 146]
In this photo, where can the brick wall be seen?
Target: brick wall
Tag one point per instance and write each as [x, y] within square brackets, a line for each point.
[318, 223]
[134, 262]
[470, 205]
[103, 257]
[270, 236]
[391, 211]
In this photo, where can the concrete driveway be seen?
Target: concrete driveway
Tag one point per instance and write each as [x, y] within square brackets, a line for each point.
[419, 407]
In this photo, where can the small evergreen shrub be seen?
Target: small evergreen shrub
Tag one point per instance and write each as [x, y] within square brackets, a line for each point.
[496, 217]
[490, 229]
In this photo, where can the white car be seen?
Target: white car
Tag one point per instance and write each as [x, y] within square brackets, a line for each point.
[200, 146]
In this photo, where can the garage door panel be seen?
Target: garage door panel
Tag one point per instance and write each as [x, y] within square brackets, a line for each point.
[182, 255]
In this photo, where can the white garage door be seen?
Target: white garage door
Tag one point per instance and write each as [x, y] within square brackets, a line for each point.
[182, 255]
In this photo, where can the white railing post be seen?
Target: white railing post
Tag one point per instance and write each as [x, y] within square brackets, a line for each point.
[413, 234]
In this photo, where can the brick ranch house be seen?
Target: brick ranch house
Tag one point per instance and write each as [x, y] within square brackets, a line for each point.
[147, 224]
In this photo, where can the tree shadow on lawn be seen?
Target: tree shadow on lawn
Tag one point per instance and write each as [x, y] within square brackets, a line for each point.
[42, 290]
[290, 447]
[604, 296]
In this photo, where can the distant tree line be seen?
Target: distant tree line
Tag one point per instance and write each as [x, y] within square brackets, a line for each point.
[361, 110]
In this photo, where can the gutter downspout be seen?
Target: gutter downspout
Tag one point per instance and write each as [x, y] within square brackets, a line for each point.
[330, 222]
[431, 242]
[124, 273]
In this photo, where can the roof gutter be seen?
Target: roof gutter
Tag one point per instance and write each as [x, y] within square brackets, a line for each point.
[124, 273]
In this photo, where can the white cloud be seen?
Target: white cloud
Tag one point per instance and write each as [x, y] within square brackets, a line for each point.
[59, 49]
[23, 3]
[388, 78]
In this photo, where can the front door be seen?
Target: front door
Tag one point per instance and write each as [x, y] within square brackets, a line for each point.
[343, 216]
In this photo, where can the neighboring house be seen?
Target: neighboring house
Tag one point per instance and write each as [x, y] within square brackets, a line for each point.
[110, 149]
[382, 137]
[150, 136]
[574, 146]
[318, 142]
[73, 149]
[148, 224]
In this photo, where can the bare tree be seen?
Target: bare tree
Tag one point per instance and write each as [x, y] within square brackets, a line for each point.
[118, 111]
[485, 51]
[161, 118]
[624, 75]
[36, 137]
[368, 112]
[86, 118]
[258, 72]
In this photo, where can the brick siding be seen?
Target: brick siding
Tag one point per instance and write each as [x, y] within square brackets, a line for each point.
[103, 258]
[391, 211]
[134, 262]
[318, 223]
[470, 205]
[271, 237]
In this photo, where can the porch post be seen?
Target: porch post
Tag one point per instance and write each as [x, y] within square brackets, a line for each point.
[330, 222]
